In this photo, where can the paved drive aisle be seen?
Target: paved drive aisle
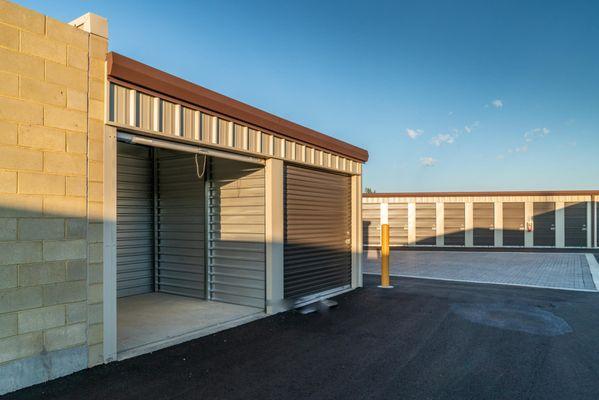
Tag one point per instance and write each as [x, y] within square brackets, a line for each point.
[553, 270]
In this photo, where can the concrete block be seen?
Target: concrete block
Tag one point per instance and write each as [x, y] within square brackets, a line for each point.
[76, 270]
[8, 229]
[34, 183]
[41, 137]
[8, 133]
[20, 252]
[42, 273]
[95, 355]
[41, 318]
[96, 211]
[8, 325]
[65, 292]
[43, 92]
[20, 346]
[22, 17]
[9, 37]
[96, 109]
[95, 232]
[13, 205]
[76, 228]
[66, 33]
[77, 58]
[96, 273]
[76, 142]
[42, 367]
[70, 77]
[76, 100]
[21, 111]
[21, 159]
[96, 131]
[76, 186]
[65, 119]
[96, 68]
[8, 182]
[64, 250]
[92, 23]
[64, 337]
[98, 47]
[95, 334]
[95, 293]
[64, 206]
[96, 191]
[41, 228]
[96, 171]
[44, 47]
[64, 163]
[8, 276]
[18, 299]
[96, 150]
[76, 312]
[96, 89]
[9, 83]
[95, 315]
[22, 64]
[94, 253]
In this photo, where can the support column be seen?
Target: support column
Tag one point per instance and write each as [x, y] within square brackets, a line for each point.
[528, 213]
[560, 224]
[589, 225]
[498, 213]
[595, 221]
[469, 224]
[356, 234]
[274, 235]
[411, 224]
[440, 223]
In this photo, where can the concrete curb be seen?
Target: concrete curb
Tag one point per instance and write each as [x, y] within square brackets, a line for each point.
[594, 267]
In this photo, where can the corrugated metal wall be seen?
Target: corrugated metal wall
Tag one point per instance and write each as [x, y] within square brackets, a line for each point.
[398, 224]
[317, 250]
[454, 220]
[576, 224]
[426, 224]
[544, 223]
[371, 222]
[513, 224]
[236, 252]
[180, 219]
[483, 216]
[135, 220]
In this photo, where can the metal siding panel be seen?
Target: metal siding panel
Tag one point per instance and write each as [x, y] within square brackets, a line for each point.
[454, 221]
[371, 222]
[576, 224]
[483, 224]
[513, 224]
[237, 260]
[544, 223]
[317, 249]
[135, 220]
[426, 224]
[398, 224]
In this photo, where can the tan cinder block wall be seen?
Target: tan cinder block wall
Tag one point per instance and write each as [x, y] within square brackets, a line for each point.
[51, 140]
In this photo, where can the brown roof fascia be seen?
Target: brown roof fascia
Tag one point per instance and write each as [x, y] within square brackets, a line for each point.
[486, 194]
[123, 69]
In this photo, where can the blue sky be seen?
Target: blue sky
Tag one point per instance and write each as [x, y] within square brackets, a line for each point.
[445, 95]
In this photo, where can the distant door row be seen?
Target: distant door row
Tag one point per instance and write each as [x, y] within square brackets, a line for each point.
[541, 224]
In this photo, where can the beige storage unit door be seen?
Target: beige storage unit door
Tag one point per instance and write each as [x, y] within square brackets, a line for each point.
[576, 224]
[236, 250]
[135, 220]
[483, 215]
[398, 224]
[426, 224]
[317, 252]
[371, 223]
[513, 224]
[454, 220]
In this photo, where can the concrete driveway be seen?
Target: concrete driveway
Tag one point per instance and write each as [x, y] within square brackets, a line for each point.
[573, 271]
[424, 339]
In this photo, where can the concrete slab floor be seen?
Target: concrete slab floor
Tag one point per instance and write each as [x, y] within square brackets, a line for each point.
[152, 318]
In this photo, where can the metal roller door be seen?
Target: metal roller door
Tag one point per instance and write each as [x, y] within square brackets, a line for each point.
[180, 215]
[371, 224]
[544, 223]
[135, 220]
[398, 224]
[576, 224]
[426, 224]
[483, 224]
[236, 252]
[513, 224]
[454, 220]
[317, 251]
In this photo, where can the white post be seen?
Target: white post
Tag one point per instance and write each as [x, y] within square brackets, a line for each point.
[411, 224]
[528, 235]
[560, 224]
[356, 234]
[589, 225]
[274, 236]
[498, 214]
[440, 223]
[469, 224]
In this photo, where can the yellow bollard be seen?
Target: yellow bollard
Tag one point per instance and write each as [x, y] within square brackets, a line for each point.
[385, 257]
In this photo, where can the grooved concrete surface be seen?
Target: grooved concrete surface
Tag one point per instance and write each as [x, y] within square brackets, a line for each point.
[555, 270]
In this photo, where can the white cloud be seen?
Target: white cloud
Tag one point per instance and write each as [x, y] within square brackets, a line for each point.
[443, 138]
[414, 133]
[536, 133]
[497, 103]
[471, 127]
[428, 161]
[450, 113]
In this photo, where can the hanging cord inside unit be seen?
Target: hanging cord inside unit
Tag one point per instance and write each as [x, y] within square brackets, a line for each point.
[200, 176]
